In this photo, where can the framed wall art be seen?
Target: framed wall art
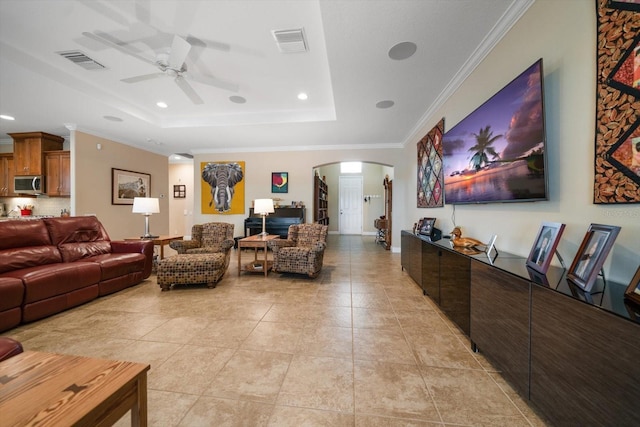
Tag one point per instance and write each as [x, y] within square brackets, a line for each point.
[633, 290]
[222, 187]
[591, 255]
[544, 246]
[280, 182]
[617, 136]
[125, 185]
[179, 191]
[430, 170]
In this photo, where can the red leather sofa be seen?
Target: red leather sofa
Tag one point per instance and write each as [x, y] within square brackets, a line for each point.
[52, 264]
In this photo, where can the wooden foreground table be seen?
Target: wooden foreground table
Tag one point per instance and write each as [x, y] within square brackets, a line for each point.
[60, 390]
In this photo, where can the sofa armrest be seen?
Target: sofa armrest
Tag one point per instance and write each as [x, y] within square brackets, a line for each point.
[181, 246]
[144, 247]
[9, 348]
[275, 245]
[228, 244]
[319, 246]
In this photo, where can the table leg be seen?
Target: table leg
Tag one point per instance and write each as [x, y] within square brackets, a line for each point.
[266, 264]
[139, 408]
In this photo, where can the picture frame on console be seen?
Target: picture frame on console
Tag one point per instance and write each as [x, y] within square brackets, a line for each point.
[633, 290]
[545, 246]
[591, 255]
[426, 226]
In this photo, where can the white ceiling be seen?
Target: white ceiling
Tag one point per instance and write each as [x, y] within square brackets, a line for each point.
[345, 71]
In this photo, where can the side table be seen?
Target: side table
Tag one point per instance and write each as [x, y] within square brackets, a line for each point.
[159, 241]
[256, 241]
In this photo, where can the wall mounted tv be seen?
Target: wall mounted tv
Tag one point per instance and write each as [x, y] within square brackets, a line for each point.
[497, 153]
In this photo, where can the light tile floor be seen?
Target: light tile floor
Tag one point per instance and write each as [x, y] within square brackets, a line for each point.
[358, 346]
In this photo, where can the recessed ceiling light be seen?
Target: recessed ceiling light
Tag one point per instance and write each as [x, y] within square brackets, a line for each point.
[302, 96]
[112, 118]
[385, 104]
[5, 117]
[237, 99]
[161, 104]
[402, 50]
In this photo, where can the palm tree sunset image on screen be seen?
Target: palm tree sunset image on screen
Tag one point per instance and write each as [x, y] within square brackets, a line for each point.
[484, 141]
[497, 153]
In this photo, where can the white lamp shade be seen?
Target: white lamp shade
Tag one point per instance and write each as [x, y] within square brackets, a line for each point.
[263, 206]
[146, 205]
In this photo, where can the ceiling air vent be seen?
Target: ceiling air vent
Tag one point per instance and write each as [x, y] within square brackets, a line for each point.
[79, 58]
[290, 41]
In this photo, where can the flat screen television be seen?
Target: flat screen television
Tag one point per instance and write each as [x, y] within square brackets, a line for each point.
[497, 153]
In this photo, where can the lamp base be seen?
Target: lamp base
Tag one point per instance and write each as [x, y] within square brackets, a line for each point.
[148, 237]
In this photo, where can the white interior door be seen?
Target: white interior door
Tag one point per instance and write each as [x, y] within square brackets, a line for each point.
[350, 205]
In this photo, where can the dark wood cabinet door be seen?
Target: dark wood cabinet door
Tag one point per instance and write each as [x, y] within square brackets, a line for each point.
[431, 271]
[411, 255]
[585, 365]
[455, 275]
[500, 322]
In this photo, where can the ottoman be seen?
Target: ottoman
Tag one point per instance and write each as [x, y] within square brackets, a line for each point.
[184, 269]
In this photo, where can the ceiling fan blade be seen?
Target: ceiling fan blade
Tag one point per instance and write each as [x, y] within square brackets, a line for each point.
[212, 81]
[179, 50]
[188, 90]
[142, 78]
[107, 11]
[106, 39]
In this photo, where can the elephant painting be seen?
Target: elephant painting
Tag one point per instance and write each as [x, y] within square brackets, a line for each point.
[222, 177]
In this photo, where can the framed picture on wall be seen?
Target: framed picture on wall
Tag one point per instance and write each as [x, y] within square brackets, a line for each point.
[280, 182]
[125, 185]
[591, 255]
[545, 246]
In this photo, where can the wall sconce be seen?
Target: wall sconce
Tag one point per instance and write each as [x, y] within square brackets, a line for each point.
[146, 206]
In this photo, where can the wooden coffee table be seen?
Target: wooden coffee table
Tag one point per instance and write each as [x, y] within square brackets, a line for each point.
[54, 389]
[256, 241]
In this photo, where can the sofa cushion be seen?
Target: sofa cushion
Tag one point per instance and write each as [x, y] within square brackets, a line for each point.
[114, 265]
[31, 256]
[25, 244]
[46, 281]
[21, 233]
[78, 237]
[11, 293]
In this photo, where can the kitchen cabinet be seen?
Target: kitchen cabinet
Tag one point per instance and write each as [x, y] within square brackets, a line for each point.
[6, 175]
[58, 173]
[29, 149]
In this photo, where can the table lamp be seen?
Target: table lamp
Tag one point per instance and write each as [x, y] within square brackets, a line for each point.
[263, 207]
[146, 206]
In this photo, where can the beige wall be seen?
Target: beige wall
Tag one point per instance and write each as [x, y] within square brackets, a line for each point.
[563, 33]
[91, 177]
[181, 210]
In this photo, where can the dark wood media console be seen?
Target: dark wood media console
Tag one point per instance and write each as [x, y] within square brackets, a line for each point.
[575, 362]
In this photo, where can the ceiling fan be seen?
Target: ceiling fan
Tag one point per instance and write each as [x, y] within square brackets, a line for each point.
[171, 64]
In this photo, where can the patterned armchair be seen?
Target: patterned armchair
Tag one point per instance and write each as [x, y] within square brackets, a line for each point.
[303, 250]
[206, 238]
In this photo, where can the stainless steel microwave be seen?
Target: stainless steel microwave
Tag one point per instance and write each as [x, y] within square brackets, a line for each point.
[32, 184]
